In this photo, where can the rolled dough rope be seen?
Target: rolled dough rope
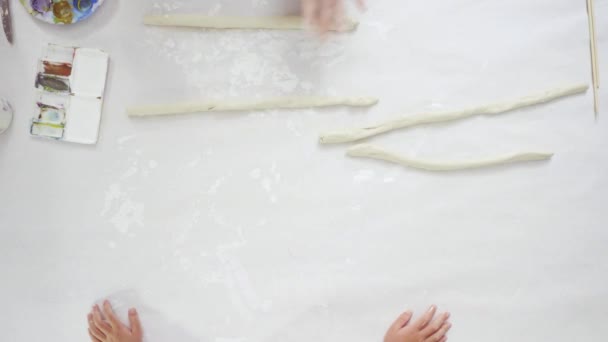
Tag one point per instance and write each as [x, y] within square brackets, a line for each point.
[216, 22]
[373, 152]
[348, 135]
[254, 105]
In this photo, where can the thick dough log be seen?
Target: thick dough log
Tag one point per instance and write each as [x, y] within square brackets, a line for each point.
[217, 22]
[349, 135]
[254, 105]
[373, 152]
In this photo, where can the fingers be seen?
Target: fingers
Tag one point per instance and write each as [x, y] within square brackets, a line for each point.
[310, 10]
[136, 329]
[93, 338]
[402, 320]
[329, 12]
[361, 5]
[436, 324]
[94, 330]
[440, 335]
[107, 310]
[423, 321]
[99, 322]
[338, 20]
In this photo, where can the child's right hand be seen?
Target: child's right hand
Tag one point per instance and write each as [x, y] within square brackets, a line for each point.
[424, 329]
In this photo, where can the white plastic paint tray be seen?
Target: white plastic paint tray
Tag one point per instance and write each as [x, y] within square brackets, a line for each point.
[70, 84]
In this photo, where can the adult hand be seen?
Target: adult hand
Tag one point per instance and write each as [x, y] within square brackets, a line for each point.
[325, 15]
[424, 329]
[106, 327]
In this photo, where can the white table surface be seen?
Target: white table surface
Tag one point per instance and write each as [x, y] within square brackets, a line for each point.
[239, 227]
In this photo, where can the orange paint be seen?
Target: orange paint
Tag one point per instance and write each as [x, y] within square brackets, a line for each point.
[58, 69]
[63, 12]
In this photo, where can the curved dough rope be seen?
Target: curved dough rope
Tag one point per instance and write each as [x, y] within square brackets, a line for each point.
[273, 103]
[217, 22]
[373, 152]
[349, 135]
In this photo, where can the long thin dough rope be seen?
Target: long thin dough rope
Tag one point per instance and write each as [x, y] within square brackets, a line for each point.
[374, 152]
[217, 22]
[349, 135]
[272, 103]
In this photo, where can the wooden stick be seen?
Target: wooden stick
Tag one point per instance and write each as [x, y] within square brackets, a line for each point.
[596, 104]
[594, 67]
[594, 37]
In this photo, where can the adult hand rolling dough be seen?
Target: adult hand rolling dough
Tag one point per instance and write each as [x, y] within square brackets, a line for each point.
[427, 328]
[325, 14]
[107, 327]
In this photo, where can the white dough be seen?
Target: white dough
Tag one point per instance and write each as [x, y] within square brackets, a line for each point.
[373, 152]
[253, 105]
[217, 22]
[349, 135]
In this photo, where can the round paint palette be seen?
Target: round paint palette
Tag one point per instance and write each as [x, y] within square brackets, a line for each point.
[61, 11]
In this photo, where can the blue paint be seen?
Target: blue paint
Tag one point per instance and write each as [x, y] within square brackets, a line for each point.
[83, 8]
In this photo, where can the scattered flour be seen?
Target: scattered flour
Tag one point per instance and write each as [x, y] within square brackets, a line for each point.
[363, 176]
[126, 211]
[255, 174]
[124, 139]
[132, 170]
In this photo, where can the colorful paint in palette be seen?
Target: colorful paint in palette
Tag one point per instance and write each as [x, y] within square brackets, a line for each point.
[53, 83]
[61, 11]
[70, 84]
[57, 68]
[50, 121]
[51, 115]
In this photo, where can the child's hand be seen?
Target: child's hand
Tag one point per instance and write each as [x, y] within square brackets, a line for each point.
[325, 15]
[424, 329]
[110, 329]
